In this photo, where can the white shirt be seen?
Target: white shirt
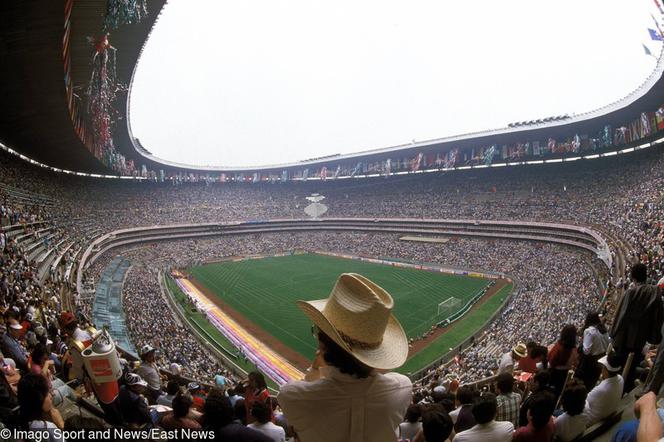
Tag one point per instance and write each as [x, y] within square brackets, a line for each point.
[604, 399]
[491, 432]
[81, 335]
[274, 432]
[48, 427]
[594, 343]
[342, 408]
[506, 364]
[408, 430]
[454, 414]
[148, 371]
[569, 427]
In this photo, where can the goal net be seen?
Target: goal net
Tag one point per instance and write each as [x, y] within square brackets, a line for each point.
[448, 307]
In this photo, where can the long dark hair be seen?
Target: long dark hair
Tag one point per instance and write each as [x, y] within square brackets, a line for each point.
[39, 354]
[258, 380]
[338, 357]
[32, 392]
[217, 410]
[181, 404]
[568, 336]
[593, 319]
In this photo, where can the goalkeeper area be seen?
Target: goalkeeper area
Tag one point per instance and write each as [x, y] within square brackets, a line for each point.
[448, 307]
[260, 293]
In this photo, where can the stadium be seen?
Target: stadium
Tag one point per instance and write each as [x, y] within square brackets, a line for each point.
[132, 284]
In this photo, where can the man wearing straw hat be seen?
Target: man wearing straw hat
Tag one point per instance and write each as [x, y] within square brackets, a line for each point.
[345, 396]
[510, 359]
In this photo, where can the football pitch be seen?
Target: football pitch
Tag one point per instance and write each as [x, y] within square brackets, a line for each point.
[264, 291]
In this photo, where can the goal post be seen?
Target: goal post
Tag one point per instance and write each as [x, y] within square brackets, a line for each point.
[448, 307]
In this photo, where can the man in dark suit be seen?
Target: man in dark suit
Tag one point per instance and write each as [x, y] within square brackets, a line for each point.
[656, 378]
[639, 319]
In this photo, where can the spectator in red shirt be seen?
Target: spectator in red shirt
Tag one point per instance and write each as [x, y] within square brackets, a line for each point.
[562, 357]
[528, 363]
[197, 395]
[536, 354]
[256, 391]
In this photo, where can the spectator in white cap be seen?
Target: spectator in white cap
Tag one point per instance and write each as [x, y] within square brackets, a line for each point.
[11, 345]
[133, 404]
[176, 369]
[604, 399]
[150, 373]
[345, 396]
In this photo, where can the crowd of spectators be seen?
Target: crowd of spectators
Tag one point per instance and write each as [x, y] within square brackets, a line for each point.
[555, 285]
[532, 314]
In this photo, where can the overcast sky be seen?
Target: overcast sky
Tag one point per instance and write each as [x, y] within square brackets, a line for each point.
[256, 82]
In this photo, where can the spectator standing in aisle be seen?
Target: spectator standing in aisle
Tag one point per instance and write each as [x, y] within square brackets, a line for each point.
[562, 358]
[594, 346]
[639, 319]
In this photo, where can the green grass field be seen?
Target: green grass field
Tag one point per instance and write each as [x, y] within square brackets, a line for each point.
[265, 290]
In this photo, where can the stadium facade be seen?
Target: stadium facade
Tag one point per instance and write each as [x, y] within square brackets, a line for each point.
[67, 97]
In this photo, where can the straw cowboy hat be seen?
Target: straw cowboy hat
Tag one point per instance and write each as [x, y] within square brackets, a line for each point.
[520, 350]
[357, 316]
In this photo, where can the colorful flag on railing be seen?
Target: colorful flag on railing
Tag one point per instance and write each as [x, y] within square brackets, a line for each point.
[388, 167]
[536, 148]
[416, 162]
[551, 145]
[489, 153]
[645, 125]
[358, 168]
[654, 35]
[607, 137]
[452, 158]
[576, 143]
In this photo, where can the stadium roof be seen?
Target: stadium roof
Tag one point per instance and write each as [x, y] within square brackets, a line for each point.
[43, 43]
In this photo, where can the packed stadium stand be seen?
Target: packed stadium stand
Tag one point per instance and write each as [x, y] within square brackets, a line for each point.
[94, 227]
